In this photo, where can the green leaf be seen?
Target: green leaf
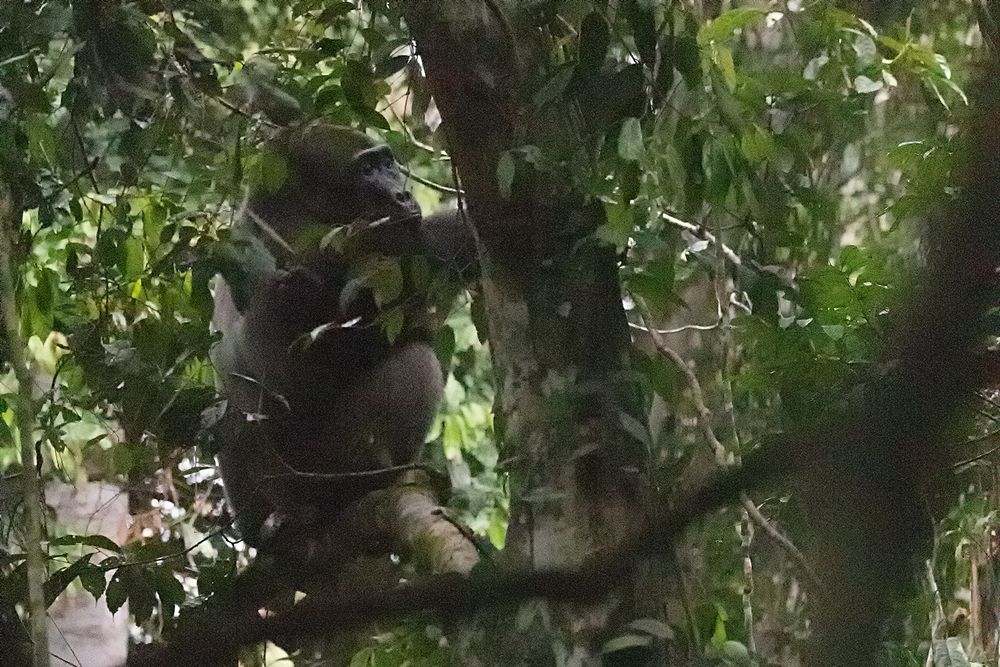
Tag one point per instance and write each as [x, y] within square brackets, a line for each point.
[851, 258]
[372, 118]
[329, 46]
[121, 459]
[269, 171]
[444, 345]
[94, 581]
[506, 169]
[626, 642]
[908, 155]
[390, 66]
[718, 175]
[96, 541]
[60, 579]
[169, 590]
[392, 323]
[554, 87]
[639, 430]
[719, 636]
[619, 226]
[653, 627]
[867, 52]
[687, 60]
[335, 10]
[630, 181]
[135, 584]
[364, 658]
[654, 283]
[6, 437]
[385, 278]
[834, 331]
[134, 258]
[630, 140]
[722, 57]
[949, 653]
[735, 653]
[723, 27]
[758, 145]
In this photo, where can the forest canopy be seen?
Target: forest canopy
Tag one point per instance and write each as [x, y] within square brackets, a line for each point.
[712, 287]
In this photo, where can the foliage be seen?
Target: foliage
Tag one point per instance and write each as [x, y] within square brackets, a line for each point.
[809, 139]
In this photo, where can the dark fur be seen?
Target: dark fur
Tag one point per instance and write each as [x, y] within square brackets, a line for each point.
[351, 400]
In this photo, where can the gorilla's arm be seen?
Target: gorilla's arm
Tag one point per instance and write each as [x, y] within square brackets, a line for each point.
[245, 265]
[445, 238]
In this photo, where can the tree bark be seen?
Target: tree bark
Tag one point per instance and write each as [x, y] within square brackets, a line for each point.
[557, 329]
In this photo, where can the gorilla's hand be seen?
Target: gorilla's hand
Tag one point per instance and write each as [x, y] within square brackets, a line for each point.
[393, 237]
[298, 296]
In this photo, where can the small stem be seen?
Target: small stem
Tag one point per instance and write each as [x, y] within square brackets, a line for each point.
[694, 386]
[745, 529]
[937, 614]
[25, 416]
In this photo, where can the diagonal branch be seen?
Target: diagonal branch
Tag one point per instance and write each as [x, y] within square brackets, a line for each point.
[704, 421]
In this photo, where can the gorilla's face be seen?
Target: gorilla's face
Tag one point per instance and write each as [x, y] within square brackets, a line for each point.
[378, 188]
[336, 177]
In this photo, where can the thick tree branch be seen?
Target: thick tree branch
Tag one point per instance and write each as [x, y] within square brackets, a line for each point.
[405, 519]
[452, 595]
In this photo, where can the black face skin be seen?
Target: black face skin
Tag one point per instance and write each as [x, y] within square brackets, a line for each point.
[390, 216]
[379, 185]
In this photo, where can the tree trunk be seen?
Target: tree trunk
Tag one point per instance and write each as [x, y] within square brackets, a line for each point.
[557, 330]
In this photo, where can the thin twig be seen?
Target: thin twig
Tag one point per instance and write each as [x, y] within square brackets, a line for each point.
[677, 330]
[979, 457]
[937, 615]
[438, 187]
[745, 525]
[703, 234]
[697, 395]
[782, 542]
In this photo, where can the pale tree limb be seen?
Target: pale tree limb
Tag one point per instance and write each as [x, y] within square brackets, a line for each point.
[25, 415]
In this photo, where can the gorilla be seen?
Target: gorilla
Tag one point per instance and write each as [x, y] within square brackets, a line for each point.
[322, 389]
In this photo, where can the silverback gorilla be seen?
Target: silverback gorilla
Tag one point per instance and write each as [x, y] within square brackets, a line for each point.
[316, 390]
